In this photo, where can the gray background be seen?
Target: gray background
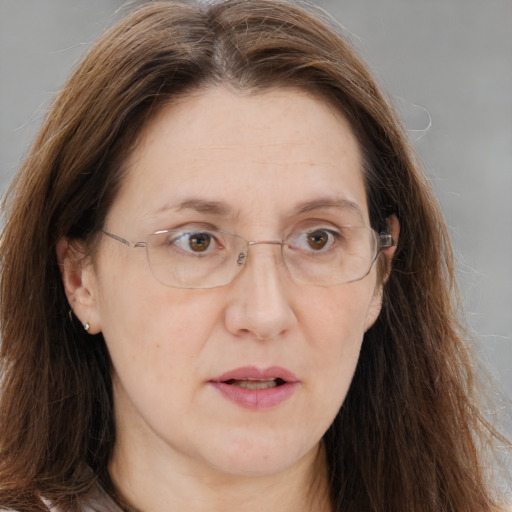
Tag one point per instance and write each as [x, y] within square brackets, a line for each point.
[447, 63]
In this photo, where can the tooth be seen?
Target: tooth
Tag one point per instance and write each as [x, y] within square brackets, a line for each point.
[255, 384]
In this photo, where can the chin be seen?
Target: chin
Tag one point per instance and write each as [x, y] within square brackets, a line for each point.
[254, 459]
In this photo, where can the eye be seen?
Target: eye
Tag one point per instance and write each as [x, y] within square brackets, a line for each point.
[316, 240]
[196, 242]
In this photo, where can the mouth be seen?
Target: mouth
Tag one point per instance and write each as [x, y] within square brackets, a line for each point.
[256, 383]
[256, 389]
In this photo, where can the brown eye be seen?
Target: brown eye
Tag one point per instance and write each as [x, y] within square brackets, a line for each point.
[317, 240]
[199, 242]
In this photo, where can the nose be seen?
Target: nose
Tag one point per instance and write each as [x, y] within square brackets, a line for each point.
[260, 305]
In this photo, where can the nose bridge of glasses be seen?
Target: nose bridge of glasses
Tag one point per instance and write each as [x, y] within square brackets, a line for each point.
[243, 255]
[268, 242]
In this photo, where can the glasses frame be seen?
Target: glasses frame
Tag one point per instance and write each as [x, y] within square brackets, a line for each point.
[384, 241]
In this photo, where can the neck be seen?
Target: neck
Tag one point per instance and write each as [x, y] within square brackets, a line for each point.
[185, 486]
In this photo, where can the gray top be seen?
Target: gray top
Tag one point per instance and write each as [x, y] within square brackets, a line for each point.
[97, 501]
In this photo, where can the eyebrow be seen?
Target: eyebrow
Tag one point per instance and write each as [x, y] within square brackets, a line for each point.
[221, 209]
[203, 206]
[324, 203]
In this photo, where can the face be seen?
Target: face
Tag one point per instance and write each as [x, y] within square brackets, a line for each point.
[261, 166]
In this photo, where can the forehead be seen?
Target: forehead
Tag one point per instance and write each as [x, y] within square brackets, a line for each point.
[223, 117]
[267, 151]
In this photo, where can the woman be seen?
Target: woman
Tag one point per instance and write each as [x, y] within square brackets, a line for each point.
[226, 284]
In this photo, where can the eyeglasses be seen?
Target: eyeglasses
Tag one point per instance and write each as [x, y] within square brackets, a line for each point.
[197, 258]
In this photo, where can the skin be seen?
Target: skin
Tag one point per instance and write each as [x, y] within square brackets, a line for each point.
[181, 444]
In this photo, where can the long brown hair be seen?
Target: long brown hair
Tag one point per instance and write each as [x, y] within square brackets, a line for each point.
[409, 434]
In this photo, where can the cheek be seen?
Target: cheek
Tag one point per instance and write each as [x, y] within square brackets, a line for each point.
[335, 324]
[155, 330]
[338, 315]
[155, 350]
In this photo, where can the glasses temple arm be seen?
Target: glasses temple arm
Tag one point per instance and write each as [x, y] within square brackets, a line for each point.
[131, 245]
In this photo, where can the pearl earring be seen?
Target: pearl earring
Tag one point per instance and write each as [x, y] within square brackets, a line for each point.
[87, 326]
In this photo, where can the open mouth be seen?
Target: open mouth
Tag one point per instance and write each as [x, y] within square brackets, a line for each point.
[257, 389]
[256, 383]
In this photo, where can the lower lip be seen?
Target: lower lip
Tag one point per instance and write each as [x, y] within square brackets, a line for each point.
[256, 399]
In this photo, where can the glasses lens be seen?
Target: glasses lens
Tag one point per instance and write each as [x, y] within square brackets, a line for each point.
[194, 258]
[331, 256]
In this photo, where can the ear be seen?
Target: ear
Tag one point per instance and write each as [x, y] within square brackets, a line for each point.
[79, 280]
[393, 228]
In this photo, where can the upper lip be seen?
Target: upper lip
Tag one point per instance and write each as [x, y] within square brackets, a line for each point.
[254, 373]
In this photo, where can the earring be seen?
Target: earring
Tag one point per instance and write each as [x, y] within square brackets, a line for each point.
[87, 326]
